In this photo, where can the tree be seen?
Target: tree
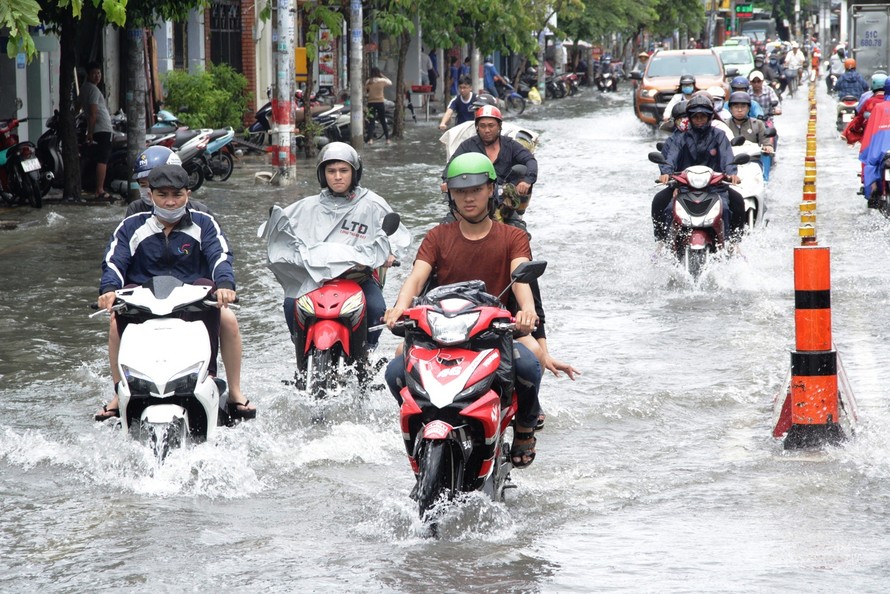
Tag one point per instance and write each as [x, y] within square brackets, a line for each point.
[63, 17]
[18, 15]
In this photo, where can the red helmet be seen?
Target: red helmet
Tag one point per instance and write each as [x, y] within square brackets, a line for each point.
[489, 111]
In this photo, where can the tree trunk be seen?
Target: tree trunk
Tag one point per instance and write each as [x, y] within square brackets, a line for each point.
[399, 115]
[70, 150]
[136, 91]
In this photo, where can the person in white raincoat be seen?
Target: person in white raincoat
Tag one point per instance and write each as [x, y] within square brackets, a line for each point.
[335, 232]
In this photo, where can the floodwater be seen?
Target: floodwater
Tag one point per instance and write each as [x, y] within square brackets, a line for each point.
[656, 471]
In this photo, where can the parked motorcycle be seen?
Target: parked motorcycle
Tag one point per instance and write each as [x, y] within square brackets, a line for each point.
[218, 158]
[21, 180]
[167, 398]
[697, 216]
[331, 330]
[459, 399]
[846, 111]
[49, 150]
[513, 101]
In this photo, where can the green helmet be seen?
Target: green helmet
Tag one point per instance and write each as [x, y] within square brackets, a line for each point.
[470, 170]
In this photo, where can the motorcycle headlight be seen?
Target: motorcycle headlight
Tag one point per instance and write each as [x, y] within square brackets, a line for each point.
[139, 383]
[698, 179]
[453, 330]
[184, 382]
[352, 309]
[685, 217]
[712, 214]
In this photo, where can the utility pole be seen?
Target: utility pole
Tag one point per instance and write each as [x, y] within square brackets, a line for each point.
[282, 100]
[356, 98]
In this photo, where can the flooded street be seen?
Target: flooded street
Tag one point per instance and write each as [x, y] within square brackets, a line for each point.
[656, 470]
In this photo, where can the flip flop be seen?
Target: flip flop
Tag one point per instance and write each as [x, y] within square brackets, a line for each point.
[239, 410]
[107, 413]
[524, 450]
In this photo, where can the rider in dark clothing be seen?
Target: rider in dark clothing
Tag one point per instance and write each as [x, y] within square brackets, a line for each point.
[700, 144]
[850, 82]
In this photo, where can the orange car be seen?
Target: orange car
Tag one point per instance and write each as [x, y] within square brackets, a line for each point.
[661, 79]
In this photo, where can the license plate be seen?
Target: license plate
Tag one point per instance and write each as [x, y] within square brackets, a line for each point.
[887, 174]
[848, 117]
[30, 165]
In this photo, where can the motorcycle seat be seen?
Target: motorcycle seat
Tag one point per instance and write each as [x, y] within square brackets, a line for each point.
[218, 133]
[183, 136]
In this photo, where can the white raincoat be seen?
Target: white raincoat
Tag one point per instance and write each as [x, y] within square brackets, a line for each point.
[320, 237]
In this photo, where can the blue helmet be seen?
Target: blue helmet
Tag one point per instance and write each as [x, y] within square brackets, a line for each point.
[151, 158]
[739, 83]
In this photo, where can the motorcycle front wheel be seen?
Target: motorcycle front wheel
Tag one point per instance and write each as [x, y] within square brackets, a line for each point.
[440, 469]
[320, 373]
[196, 174]
[695, 261]
[516, 103]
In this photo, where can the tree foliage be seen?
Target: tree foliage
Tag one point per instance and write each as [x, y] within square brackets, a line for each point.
[212, 99]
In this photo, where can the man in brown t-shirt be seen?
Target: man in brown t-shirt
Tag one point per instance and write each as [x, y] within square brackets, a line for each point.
[475, 247]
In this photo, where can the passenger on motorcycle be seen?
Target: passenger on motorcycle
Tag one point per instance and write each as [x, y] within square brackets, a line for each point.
[701, 144]
[835, 68]
[855, 130]
[764, 95]
[504, 152]
[718, 96]
[476, 247]
[337, 232]
[171, 239]
[850, 82]
[740, 83]
[686, 87]
[462, 104]
[875, 144]
[875, 84]
[740, 124]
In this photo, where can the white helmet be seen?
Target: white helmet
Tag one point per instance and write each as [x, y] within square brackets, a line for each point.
[716, 92]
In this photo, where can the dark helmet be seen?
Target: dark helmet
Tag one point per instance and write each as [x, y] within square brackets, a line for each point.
[151, 158]
[739, 83]
[740, 97]
[700, 104]
[339, 151]
[759, 58]
[679, 110]
[483, 99]
[687, 79]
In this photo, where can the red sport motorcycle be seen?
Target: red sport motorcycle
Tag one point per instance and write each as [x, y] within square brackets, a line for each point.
[331, 330]
[459, 399]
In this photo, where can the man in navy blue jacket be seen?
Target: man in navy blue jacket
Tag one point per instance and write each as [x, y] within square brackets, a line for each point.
[700, 144]
[175, 240]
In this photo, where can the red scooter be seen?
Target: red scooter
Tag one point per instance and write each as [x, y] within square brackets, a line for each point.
[459, 399]
[331, 330]
[697, 215]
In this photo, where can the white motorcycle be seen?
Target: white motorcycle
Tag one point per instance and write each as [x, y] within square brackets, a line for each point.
[751, 186]
[167, 397]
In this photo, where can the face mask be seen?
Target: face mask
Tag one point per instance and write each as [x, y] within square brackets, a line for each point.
[145, 194]
[169, 216]
[686, 90]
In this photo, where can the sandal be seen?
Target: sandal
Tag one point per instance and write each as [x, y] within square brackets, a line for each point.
[540, 425]
[523, 454]
[239, 410]
[107, 413]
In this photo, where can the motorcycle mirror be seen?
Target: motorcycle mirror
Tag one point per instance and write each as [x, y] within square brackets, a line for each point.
[657, 158]
[526, 272]
[741, 159]
[660, 146]
[771, 133]
[636, 75]
[737, 141]
[391, 223]
[732, 72]
[517, 172]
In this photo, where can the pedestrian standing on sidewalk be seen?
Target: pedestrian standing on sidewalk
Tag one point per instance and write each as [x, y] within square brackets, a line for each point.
[99, 129]
[374, 90]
